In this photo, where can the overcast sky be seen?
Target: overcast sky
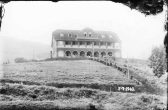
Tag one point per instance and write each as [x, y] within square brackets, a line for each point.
[35, 21]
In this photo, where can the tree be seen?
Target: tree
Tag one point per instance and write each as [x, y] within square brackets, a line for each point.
[158, 61]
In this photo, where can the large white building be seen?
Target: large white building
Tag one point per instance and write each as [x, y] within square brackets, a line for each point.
[85, 43]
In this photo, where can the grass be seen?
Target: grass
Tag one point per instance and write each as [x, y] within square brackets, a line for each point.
[142, 68]
[35, 97]
[81, 71]
[143, 73]
[104, 87]
[39, 93]
[70, 85]
[45, 105]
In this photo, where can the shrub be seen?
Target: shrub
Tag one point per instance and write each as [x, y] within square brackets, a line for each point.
[20, 60]
[158, 61]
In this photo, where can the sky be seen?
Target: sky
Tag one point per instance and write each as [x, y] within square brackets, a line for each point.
[35, 21]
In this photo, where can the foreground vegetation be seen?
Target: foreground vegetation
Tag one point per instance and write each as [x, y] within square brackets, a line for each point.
[73, 85]
[81, 71]
[33, 97]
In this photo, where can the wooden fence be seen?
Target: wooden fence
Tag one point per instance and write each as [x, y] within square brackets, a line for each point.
[131, 72]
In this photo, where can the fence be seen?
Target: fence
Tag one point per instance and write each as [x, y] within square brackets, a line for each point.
[131, 72]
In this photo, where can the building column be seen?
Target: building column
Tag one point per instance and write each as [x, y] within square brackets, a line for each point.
[106, 45]
[64, 54]
[51, 56]
[99, 44]
[85, 44]
[106, 50]
[93, 49]
[64, 43]
[71, 51]
[71, 43]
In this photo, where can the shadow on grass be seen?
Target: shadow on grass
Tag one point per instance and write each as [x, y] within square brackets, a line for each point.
[104, 87]
[37, 105]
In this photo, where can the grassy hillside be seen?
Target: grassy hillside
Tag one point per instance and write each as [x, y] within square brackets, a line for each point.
[142, 68]
[70, 85]
[23, 97]
[80, 71]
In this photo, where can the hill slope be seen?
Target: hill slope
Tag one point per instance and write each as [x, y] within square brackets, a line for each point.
[70, 85]
[12, 48]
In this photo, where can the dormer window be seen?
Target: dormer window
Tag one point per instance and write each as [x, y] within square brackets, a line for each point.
[69, 35]
[85, 34]
[61, 34]
[90, 34]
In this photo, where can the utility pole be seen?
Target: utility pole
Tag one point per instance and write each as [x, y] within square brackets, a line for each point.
[93, 49]
[51, 54]
[106, 54]
[33, 55]
[127, 67]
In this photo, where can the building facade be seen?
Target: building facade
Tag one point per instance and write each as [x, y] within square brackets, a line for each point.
[85, 43]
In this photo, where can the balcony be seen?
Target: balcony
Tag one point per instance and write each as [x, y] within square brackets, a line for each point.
[75, 46]
[117, 47]
[82, 46]
[96, 46]
[60, 46]
[110, 47]
[89, 46]
[68, 46]
[103, 47]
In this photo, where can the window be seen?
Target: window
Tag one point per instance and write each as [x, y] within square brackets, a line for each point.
[69, 35]
[88, 43]
[85, 34]
[96, 43]
[109, 44]
[60, 43]
[110, 53]
[117, 45]
[102, 43]
[66, 42]
[80, 43]
[90, 34]
[74, 43]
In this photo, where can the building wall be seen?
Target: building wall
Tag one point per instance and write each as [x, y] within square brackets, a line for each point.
[84, 47]
[54, 51]
[115, 52]
[60, 53]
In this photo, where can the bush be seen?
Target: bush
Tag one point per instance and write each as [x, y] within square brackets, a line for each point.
[158, 61]
[20, 60]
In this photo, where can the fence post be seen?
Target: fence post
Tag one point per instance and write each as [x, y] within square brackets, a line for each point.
[127, 68]
[51, 54]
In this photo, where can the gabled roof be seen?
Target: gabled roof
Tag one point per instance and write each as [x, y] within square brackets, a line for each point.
[107, 36]
[87, 29]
